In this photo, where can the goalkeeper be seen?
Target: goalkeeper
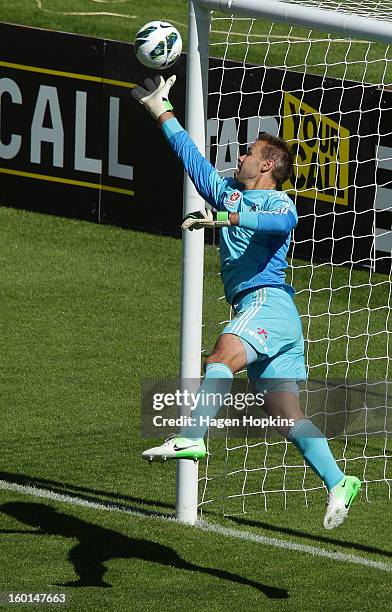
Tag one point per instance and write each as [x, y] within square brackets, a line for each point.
[265, 335]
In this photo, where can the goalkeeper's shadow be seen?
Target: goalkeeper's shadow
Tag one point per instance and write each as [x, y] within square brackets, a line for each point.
[96, 545]
[90, 494]
[288, 531]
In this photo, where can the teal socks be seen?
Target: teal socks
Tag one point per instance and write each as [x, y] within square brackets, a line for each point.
[217, 382]
[314, 447]
[309, 440]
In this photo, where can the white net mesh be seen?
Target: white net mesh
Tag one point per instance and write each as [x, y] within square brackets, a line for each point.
[374, 9]
[330, 97]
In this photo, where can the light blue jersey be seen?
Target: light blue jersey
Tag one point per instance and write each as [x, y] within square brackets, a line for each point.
[253, 254]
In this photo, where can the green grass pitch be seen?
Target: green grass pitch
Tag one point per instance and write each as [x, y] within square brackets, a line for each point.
[76, 311]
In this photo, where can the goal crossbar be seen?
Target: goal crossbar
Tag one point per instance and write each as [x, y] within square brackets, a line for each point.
[345, 23]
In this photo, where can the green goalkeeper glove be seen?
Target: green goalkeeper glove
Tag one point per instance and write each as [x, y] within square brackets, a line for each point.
[199, 219]
[155, 98]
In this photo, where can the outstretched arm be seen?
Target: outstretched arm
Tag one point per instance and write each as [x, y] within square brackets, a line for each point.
[155, 98]
[279, 221]
[203, 175]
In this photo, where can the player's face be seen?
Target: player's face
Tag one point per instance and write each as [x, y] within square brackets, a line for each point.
[252, 164]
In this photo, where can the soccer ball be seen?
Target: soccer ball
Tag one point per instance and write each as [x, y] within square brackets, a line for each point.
[158, 45]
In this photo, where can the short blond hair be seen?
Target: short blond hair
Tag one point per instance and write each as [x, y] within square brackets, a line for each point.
[281, 153]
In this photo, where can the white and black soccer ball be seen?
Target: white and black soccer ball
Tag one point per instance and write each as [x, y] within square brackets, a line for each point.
[158, 45]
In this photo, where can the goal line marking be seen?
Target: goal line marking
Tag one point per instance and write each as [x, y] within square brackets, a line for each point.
[246, 536]
[86, 14]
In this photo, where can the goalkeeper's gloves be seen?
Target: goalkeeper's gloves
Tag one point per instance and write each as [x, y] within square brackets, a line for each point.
[200, 219]
[155, 98]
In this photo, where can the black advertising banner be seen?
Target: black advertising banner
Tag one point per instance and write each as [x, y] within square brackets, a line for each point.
[157, 177]
[333, 139]
[51, 135]
[383, 200]
[74, 142]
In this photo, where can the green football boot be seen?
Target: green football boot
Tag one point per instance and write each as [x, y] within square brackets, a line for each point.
[176, 447]
[340, 499]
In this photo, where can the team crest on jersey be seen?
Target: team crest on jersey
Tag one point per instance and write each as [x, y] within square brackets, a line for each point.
[260, 336]
[262, 332]
[233, 198]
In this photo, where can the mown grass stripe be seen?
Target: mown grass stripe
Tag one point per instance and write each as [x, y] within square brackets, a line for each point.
[246, 536]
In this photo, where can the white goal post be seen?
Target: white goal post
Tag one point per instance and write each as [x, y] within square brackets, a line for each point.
[350, 20]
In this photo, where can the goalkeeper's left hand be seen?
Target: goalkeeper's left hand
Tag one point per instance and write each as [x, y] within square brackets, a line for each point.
[199, 219]
[155, 98]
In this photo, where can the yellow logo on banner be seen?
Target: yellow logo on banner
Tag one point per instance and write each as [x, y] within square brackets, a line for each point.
[322, 152]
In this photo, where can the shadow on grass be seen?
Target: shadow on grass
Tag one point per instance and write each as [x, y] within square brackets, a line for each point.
[96, 545]
[87, 493]
[309, 536]
[108, 499]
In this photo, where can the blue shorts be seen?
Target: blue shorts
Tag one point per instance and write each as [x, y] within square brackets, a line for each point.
[268, 319]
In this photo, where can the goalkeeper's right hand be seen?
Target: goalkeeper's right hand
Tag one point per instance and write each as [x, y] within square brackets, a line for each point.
[199, 219]
[155, 98]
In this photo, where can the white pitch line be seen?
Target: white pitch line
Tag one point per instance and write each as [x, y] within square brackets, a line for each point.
[246, 536]
[76, 501]
[284, 37]
[294, 546]
[84, 14]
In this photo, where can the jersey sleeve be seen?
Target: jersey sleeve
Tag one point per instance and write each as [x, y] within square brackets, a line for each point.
[280, 218]
[202, 174]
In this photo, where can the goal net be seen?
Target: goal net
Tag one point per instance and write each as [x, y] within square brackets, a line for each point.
[330, 96]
